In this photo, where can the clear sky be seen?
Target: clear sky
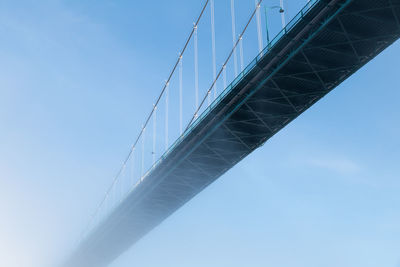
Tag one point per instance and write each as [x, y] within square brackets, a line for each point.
[76, 81]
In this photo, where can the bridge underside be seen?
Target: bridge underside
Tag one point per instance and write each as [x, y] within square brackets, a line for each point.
[331, 42]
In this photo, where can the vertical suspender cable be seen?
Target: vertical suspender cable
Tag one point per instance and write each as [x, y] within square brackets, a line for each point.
[113, 196]
[118, 188]
[142, 167]
[121, 185]
[259, 31]
[196, 70]
[180, 95]
[105, 207]
[154, 133]
[166, 116]
[234, 36]
[283, 14]
[213, 45]
[133, 167]
[224, 76]
[241, 53]
[115, 192]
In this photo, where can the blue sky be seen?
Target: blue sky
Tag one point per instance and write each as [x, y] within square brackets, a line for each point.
[76, 81]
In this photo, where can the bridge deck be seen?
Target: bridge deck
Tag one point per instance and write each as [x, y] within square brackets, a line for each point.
[326, 45]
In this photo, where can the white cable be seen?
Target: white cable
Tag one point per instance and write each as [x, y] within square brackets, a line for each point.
[241, 54]
[196, 70]
[142, 167]
[113, 197]
[121, 186]
[213, 46]
[105, 207]
[166, 116]
[154, 133]
[234, 36]
[259, 31]
[180, 95]
[224, 76]
[133, 167]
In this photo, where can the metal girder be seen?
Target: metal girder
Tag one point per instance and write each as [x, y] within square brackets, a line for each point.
[348, 39]
[395, 15]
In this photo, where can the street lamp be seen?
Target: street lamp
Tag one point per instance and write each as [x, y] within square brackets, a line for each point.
[281, 10]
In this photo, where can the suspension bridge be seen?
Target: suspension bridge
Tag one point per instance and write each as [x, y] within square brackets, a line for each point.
[320, 47]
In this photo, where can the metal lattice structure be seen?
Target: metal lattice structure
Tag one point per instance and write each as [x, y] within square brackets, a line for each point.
[324, 44]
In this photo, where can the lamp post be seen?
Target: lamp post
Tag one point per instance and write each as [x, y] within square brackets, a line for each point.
[281, 10]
